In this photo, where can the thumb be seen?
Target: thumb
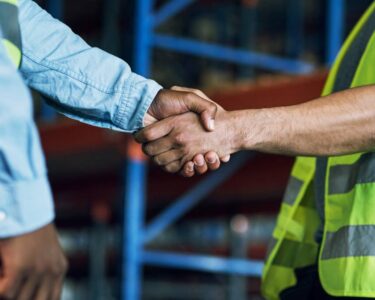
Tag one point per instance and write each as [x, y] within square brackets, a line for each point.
[206, 109]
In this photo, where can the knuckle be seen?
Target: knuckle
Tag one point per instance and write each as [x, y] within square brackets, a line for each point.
[60, 268]
[147, 149]
[64, 265]
[157, 160]
[180, 138]
[148, 135]
[162, 160]
[57, 270]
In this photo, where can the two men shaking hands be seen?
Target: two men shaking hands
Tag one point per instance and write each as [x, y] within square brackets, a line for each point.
[180, 134]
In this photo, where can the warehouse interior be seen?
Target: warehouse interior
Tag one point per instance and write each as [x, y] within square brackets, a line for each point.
[130, 230]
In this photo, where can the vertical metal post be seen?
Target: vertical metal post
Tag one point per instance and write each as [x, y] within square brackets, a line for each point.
[143, 35]
[110, 35]
[56, 9]
[135, 170]
[335, 28]
[134, 196]
[295, 32]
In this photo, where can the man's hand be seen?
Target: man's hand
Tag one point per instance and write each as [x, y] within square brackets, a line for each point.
[187, 100]
[177, 101]
[33, 266]
[177, 140]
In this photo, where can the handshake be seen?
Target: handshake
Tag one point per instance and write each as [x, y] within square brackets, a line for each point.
[186, 132]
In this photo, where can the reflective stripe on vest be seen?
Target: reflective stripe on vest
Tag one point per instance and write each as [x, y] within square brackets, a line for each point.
[293, 189]
[347, 256]
[344, 177]
[350, 208]
[293, 245]
[349, 241]
[10, 29]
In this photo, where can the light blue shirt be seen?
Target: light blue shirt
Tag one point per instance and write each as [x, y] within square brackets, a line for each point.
[84, 83]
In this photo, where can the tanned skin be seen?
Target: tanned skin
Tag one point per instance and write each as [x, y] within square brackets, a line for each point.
[341, 123]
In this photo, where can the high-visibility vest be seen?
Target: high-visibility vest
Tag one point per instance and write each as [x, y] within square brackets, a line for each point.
[346, 256]
[11, 33]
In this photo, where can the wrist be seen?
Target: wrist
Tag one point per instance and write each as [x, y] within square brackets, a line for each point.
[250, 130]
[236, 131]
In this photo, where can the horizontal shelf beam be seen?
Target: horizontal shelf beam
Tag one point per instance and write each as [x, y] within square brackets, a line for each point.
[204, 263]
[229, 54]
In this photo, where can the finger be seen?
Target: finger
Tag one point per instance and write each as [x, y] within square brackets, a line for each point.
[57, 289]
[225, 159]
[158, 147]
[205, 108]
[10, 284]
[188, 170]
[44, 290]
[200, 164]
[154, 131]
[168, 157]
[28, 289]
[173, 167]
[197, 92]
[212, 160]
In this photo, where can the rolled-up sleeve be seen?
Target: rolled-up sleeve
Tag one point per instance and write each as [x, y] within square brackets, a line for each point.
[84, 83]
[25, 196]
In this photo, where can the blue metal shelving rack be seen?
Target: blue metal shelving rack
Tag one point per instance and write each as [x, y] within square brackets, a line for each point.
[136, 234]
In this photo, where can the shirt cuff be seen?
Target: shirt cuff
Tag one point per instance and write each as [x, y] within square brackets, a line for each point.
[25, 206]
[138, 95]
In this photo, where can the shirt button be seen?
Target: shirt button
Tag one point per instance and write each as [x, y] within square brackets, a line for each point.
[3, 216]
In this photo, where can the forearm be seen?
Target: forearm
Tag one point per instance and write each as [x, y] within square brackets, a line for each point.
[338, 124]
[83, 82]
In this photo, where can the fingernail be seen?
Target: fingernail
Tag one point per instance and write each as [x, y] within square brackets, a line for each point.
[211, 124]
[199, 161]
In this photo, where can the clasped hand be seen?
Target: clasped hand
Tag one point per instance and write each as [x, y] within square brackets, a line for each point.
[180, 135]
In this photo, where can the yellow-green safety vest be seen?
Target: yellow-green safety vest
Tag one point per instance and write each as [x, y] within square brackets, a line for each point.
[11, 33]
[346, 256]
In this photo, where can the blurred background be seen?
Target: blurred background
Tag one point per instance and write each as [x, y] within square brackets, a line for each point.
[132, 231]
